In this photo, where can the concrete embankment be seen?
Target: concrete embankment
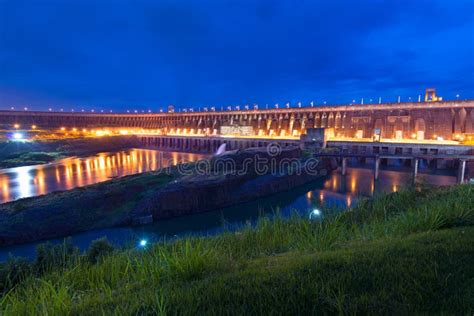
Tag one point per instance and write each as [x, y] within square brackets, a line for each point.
[203, 186]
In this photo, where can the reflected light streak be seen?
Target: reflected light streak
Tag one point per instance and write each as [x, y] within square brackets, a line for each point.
[353, 185]
[76, 172]
[24, 180]
[5, 190]
[41, 181]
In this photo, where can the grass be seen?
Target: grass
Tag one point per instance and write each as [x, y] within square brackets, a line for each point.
[407, 252]
[30, 158]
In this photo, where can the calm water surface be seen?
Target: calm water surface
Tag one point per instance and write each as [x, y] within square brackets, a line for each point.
[333, 191]
[69, 173]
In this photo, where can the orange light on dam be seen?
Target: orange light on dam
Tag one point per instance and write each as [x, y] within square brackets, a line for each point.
[343, 120]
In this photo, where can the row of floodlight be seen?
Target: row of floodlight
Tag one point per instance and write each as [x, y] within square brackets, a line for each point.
[222, 108]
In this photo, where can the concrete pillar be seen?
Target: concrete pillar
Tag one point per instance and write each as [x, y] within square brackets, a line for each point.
[461, 171]
[377, 168]
[344, 166]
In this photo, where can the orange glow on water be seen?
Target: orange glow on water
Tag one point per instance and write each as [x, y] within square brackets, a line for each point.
[75, 172]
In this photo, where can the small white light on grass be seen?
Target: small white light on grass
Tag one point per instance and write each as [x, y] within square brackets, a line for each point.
[315, 213]
[143, 242]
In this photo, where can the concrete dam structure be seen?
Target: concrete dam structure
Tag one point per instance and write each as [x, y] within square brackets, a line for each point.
[440, 120]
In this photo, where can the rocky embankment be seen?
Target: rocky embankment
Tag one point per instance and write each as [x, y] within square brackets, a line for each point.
[222, 181]
[217, 187]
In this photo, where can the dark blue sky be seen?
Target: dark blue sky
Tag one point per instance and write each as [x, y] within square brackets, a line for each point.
[144, 54]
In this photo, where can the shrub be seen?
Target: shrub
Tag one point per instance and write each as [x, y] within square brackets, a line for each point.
[49, 256]
[99, 248]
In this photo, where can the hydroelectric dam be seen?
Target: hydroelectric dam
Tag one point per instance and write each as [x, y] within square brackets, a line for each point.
[443, 120]
[440, 131]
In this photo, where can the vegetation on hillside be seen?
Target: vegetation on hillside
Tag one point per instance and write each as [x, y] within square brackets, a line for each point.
[410, 251]
[16, 154]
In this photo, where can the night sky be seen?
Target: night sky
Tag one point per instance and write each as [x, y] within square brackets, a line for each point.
[144, 55]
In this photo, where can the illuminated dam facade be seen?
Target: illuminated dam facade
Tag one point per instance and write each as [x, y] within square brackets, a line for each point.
[442, 120]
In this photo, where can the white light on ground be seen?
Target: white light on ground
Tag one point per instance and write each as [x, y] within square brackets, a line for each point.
[17, 136]
[143, 242]
[315, 213]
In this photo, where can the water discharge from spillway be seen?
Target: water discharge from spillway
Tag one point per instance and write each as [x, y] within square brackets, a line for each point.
[220, 150]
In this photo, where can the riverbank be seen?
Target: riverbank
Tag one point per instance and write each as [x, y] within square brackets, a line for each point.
[405, 252]
[147, 197]
[16, 154]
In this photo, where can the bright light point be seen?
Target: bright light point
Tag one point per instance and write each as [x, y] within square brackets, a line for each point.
[143, 242]
[17, 136]
[315, 213]
[16, 126]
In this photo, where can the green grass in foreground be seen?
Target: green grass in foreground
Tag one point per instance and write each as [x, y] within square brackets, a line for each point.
[400, 253]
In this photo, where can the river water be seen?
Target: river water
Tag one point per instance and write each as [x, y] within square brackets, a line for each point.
[334, 190]
[69, 173]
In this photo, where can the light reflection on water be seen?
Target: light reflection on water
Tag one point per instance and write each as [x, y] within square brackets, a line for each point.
[333, 191]
[21, 182]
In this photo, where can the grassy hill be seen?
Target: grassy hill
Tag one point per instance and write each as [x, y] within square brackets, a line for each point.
[406, 252]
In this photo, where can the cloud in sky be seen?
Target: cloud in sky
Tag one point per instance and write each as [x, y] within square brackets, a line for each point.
[119, 54]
